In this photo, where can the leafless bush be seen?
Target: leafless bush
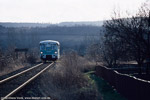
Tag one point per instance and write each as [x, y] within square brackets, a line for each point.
[2, 62]
[9, 62]
[32, 56]
[5, 59]
[68, 71]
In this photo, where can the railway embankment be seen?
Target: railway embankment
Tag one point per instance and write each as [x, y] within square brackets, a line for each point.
[66, 81]
[72, 78]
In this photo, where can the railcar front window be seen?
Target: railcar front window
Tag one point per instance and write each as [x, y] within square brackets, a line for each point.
[48, 48]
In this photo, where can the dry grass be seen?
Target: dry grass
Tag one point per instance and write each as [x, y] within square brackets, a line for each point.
[66, 81]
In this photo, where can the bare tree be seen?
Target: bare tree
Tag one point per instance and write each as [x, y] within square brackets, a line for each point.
[134, 32]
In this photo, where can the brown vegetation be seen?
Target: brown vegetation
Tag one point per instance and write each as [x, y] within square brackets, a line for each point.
[66, 81]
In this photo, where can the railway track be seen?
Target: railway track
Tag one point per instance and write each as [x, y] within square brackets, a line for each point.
[11, 85]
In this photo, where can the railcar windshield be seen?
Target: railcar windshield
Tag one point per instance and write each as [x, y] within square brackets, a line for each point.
[49, 46]
[42, 46]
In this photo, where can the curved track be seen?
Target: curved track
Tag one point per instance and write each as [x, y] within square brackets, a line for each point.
[11, 85]
[13, 76]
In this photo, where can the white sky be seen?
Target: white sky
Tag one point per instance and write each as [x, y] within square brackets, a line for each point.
[54, 11]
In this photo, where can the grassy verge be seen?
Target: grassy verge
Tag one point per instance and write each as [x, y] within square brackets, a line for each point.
[106, 91]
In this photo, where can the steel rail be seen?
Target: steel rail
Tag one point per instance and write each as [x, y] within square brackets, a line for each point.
[25, 83]
[13, 76]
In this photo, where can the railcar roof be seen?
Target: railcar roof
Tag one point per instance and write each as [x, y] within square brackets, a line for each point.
[48, 41]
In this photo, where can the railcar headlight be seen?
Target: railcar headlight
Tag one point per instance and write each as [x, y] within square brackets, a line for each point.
[55, 52]
[41, 52]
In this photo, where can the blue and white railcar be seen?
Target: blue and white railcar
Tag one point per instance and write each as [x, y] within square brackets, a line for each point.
[49, 50]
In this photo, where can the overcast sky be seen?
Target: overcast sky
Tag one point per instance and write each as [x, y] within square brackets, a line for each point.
[54, 11]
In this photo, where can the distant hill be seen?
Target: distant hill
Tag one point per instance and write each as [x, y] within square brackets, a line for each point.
[11, 24]
[91, 23]
[87, 23]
